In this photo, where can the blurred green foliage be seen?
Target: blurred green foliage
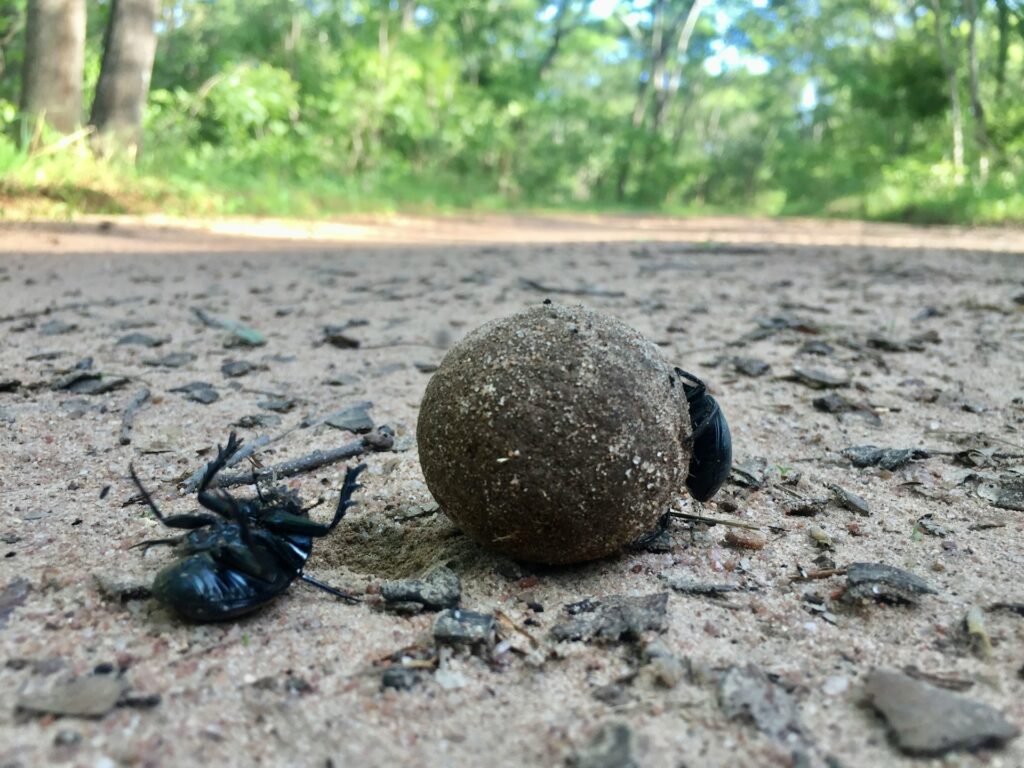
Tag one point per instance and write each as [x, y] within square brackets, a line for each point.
[778, 107]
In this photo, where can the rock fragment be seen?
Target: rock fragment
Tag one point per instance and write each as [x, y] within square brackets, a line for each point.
[464, 628]
[172, 360]
[747, 694]
[611, 747]
[817, 379]
[199, 392]
[89, 696]
[849, 500]
[613, 619]
[886, 458]
[928, 721]
[139, 339]
[355, 418]
[11, 596]
[885, 584]
[439, 589]
[1010, 495]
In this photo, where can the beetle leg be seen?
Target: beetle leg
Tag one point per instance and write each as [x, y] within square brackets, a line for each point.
[173, 542]
[223, 456]
[221, 504]
[348, 597]
[349, 487]
[187, 522]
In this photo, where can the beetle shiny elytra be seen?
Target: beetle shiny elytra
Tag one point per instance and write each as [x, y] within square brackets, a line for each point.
[246, 553]
[711, 442]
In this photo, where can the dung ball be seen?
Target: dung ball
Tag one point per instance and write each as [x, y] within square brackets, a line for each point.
[555, 435]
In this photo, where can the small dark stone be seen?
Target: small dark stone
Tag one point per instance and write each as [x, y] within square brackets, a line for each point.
[114, 585]
[88, 383]
[611, 747]
[750, 366]
[820, 348]
[297, 686]
[833, 403]
[884, 343]
[613, 694]
[142, 340]
[257, 421]
[335, 336]
[440, 588]
[354, 419]
[928, 721]
[198, 391]
[9, 385]
[613, 619]
[424, 367]
[687, 586]
[886, 458]
[341, 380]
[749, 474]
[56, 328]
[12, 595]
[466, 628]
[67, 738]
[805, 507]
[140, 701]
[1011, 495]
[812, 377]
[849, 500]
[277, 404]
[235, 368]
[400, 678]
[884, 583]
[173, 360]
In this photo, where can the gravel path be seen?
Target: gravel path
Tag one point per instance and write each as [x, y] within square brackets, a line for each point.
[872, 335]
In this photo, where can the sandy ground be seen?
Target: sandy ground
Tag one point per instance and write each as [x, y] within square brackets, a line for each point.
[300, 682]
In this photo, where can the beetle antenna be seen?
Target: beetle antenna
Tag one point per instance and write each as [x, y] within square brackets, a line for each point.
[348, 597]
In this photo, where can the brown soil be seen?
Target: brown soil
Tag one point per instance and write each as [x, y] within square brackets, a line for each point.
[297, 683]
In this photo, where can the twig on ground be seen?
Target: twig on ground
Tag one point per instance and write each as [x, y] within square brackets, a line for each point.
[375, 441]
[826, 573]
[713, 520]
[128, 417]
[243, 453]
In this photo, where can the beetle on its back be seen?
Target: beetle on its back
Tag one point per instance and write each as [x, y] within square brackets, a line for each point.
[245, 554]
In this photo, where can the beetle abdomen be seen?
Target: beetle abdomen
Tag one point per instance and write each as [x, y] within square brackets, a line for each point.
[199, 588]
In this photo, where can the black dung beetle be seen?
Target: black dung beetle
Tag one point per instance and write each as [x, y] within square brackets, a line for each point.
[245, 554]
[711, 460]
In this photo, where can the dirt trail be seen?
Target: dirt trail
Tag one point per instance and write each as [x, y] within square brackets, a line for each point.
[923, 327]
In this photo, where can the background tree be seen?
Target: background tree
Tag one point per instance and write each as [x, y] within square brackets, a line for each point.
[907, 109]
[54, 57]
[128, 50]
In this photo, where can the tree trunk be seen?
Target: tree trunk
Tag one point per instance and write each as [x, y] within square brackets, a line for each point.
[1004, 46]
[54, 58]
[977, 109]
[128, 52]
[949, 65]
[675, 72]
